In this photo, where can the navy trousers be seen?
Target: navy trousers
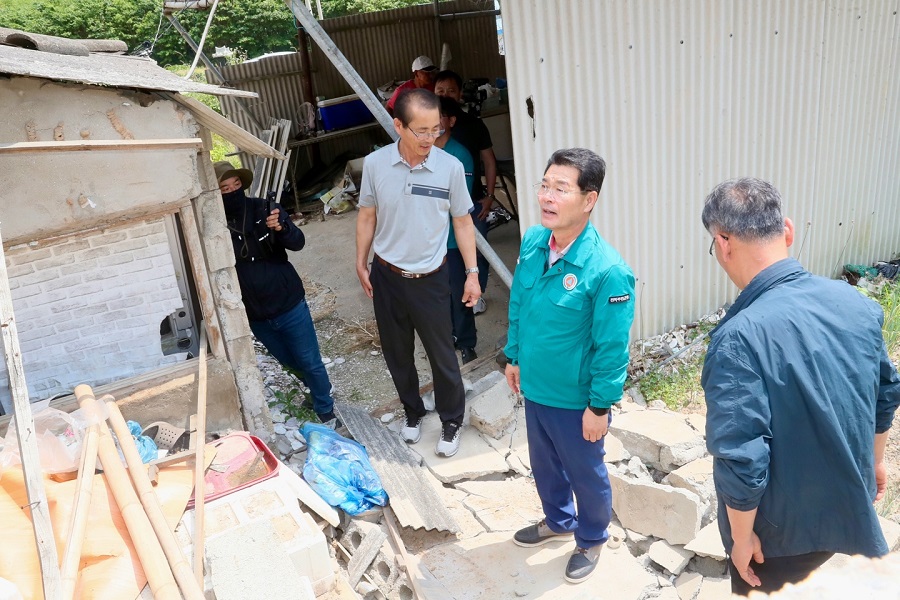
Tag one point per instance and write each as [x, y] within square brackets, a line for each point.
[291, 339]
[464, 333]
[563, 463]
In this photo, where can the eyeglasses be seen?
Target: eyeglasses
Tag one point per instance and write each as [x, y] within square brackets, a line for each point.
[428, 134]
[556, 193]
[713, 242]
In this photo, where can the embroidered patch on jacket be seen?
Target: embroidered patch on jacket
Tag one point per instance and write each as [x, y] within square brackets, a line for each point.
[569, 282]
[619, 299]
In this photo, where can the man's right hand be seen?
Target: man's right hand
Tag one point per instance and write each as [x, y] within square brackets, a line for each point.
[880, 480]
[363, 273]
[741, 554]
[512, 377]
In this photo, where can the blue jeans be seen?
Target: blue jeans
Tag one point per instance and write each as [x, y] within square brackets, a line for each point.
[563, 462]
[291, 339]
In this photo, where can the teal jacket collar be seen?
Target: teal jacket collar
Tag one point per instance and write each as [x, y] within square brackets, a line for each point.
[578, 253]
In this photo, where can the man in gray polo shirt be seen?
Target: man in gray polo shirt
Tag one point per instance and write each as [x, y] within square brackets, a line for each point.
[409, 191]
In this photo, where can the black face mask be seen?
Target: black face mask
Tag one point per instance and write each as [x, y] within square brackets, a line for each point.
[234, 202]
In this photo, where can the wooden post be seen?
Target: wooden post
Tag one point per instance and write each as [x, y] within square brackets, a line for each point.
[28, 450]
[83, 492]
[146, 544]
[200, 466]
[138, 472]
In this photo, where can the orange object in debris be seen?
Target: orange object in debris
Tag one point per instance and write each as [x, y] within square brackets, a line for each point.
[109, 568]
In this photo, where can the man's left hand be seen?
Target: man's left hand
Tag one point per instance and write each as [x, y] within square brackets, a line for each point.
[593, 427]
[472, 290]
[486, 204]
[880, 480]
[272, 220]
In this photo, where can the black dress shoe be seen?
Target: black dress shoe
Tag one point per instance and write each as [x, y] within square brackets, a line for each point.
[467, 354]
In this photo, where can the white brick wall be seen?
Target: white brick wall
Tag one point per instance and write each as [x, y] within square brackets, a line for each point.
[88, 310]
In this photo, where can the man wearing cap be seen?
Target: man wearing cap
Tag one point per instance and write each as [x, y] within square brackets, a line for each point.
[271, 289]
[570, 311]
[410, 194]
[423, 77]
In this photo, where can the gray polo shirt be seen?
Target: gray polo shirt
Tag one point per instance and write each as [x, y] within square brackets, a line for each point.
[413, 206]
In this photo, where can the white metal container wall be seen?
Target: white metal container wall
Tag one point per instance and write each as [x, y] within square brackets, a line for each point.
[680, 95]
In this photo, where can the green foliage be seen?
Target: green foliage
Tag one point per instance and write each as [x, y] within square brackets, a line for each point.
[339, 8]
[677, 387]
[291, 400]
[254, 26]
[890, 302]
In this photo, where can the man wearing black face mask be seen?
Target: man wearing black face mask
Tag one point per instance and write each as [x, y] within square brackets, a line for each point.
[271, 289]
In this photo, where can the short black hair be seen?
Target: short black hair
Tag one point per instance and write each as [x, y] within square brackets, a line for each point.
[419, 97]
[444, 75]
[449, 107]
[591, 168]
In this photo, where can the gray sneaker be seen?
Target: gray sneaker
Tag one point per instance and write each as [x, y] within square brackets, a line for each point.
[448, 445]
[412, 431]
[582, 563]
[539, 533]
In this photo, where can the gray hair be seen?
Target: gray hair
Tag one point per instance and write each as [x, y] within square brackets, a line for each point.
[747, 208]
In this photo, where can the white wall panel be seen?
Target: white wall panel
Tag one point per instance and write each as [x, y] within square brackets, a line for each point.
[680, 95]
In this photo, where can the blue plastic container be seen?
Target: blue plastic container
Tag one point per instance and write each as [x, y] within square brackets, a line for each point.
[344, 112]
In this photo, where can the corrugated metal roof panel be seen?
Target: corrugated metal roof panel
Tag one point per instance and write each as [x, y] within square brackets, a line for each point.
[678, 96]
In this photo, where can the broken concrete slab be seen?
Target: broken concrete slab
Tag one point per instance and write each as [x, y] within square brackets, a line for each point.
[671, 558]
[364, 553]
[453, 499]
[667, 593]
[485, 383]
[714, 588]
[696, 477]
[503, 505]
[652, 509]
[501, 444]
[475, 458]
[698, 422]
[661, 438]
[493, 410]
[492, 566]
[708, 543]
[249, 562]
[519, 445]
[688, 585]
[891, 532]
[615, 450]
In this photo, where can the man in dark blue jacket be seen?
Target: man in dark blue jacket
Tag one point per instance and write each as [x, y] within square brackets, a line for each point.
[271, 289]
[800, 395]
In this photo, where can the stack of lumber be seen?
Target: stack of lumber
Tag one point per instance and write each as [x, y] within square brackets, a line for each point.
[269, 173]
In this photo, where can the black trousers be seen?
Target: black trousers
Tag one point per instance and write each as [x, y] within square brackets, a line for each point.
[404, 307]
[774, 573]
[462, 316]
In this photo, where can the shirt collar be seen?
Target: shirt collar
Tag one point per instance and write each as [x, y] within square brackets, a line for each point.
[397, 158]
[784, 270]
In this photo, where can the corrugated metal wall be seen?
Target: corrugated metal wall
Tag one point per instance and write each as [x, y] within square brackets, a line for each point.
[679, 95]
[381, 46]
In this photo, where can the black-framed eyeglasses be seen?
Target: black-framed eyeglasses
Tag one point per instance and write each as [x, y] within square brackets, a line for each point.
[428, 134]
[713, 242]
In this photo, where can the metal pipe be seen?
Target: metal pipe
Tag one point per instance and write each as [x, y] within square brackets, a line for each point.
[468, 14]
[212, 13]
[493, 259]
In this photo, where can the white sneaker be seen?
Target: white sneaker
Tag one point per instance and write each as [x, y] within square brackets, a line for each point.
[412, 431]
[448, 445]
[480, 306]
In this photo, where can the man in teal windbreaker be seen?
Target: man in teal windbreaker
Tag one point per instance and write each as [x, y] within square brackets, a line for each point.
[570, 311]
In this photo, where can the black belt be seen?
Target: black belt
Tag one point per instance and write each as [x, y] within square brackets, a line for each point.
[404, 272]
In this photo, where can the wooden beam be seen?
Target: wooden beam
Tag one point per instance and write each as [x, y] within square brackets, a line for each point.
[28, 445]
[194, 246]
[87, 145]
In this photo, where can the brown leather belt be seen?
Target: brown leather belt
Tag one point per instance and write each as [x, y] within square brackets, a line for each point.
[404, 272]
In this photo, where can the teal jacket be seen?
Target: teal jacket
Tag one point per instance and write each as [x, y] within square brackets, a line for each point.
[568, 326]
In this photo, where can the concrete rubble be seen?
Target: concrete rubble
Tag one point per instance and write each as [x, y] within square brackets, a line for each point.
[664, 541]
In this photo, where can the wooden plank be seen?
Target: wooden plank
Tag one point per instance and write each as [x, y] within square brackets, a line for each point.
[28, 445]
[194, 246]
[212, 120]
[411, 493]
[200, 467]
[86, 145]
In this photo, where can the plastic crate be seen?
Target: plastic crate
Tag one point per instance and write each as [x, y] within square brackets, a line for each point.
[344, 112]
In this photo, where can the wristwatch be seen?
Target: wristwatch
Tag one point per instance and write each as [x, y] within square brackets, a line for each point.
[471, 270]
[598, 411]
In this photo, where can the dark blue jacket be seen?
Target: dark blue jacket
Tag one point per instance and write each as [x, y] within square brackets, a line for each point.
[797, 384]
[270, 286]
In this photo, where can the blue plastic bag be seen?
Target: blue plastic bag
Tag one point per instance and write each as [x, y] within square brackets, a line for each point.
[339, 471]
[145, 445]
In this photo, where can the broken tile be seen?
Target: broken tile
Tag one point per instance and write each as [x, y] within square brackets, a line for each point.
[672, 558]
[708, 543]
